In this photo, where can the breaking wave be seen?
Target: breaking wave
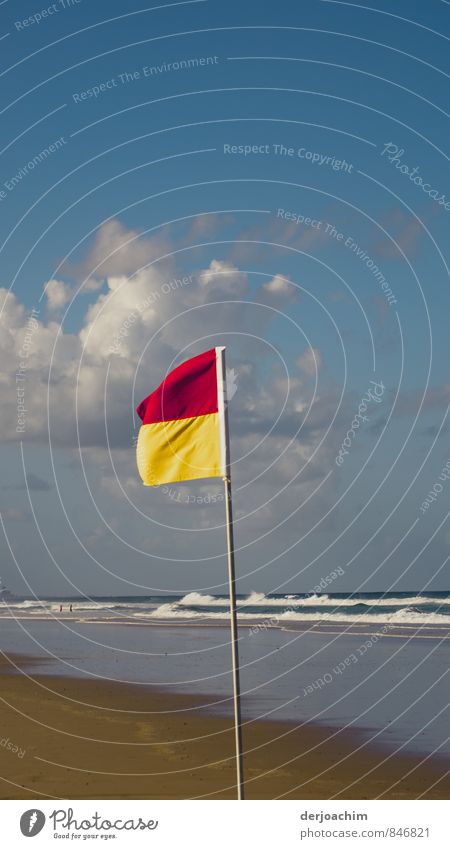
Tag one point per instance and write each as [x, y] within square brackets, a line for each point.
[255, 599]
[397, 609]
[405, 616]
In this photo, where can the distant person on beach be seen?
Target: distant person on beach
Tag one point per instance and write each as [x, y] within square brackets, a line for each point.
[70, 608]
[60, 608]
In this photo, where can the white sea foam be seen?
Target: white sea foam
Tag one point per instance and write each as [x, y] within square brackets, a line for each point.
[255, 599]
[197, 599]
[50, 605]
[23, 605]
[405, 616]
[201, 606]
[398, 617]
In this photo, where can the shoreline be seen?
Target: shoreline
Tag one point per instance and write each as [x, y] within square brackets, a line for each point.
[86, 739]
[255, 624]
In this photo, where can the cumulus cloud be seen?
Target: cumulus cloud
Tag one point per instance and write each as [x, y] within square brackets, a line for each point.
[221, 277]
[79, 385]
[58, 294]
[310, 361]
[118, 251]
[279, 290]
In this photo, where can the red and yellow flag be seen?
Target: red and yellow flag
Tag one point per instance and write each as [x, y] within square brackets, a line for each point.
[180, 437]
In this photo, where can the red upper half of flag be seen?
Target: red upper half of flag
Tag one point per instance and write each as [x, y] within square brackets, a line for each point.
[187, 391]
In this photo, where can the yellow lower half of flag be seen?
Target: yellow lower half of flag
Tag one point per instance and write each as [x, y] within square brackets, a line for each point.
[179, 450]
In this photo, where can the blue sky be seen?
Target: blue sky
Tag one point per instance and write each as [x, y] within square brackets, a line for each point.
[123, 170]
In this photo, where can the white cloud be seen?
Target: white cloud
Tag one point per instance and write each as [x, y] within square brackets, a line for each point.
[89, 377]
[117, 251]
[310, 362]
[223, 278]
[280, 288]
[58, 294]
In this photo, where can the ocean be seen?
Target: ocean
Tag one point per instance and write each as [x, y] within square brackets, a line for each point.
[375, 663]
[399, 609]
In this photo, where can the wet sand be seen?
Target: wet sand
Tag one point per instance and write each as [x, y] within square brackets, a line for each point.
[86, 739]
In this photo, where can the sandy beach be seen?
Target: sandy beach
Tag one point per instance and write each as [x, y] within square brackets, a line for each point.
[84, 739]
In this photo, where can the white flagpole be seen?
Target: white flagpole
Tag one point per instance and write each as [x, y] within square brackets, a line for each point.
[225, 456]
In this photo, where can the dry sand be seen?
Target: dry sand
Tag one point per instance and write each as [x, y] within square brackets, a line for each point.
[87, 739]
